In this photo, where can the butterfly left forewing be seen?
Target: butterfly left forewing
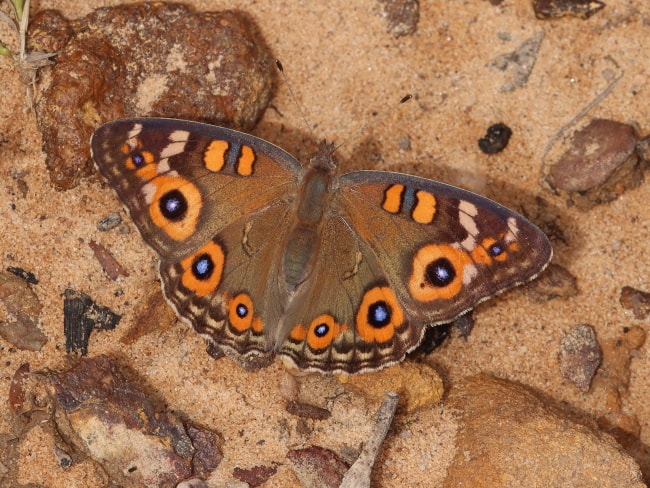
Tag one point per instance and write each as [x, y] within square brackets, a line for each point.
[184, 181]
[442, 249]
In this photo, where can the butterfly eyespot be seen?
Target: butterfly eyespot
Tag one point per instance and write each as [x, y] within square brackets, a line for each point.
[175, 205]
[241, 314]
[379, 315]
[203, 267]
[140, 162]
[439, 272]
[322, 331]
[137, 159]
[202, 271]
[489, 250]
[495, 249]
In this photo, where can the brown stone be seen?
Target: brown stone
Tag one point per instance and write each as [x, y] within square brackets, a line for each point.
[510, 436]
[600, 164]
[111, 419]
[635, 300]
[19, 314]
[146, 59]
[402, 16]
[553, 9]
[580, 356]
[317, 467]
[555, 282]
[417, 384]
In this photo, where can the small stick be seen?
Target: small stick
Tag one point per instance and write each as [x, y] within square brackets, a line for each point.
[358, 476]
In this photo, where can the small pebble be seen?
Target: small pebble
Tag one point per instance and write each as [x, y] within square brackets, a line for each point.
[554, 282]
[599, 165]
[19, 324]
[308, 411]
[496, 139]
[317, 467]
[255, 476]
[28, 276]
[580, 355]
[635, 300]
[402, 16]
[81, 315]
[109, 222]
[518, 64]
[552, 9]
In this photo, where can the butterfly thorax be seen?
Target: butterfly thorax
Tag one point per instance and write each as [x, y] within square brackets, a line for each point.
[303, 241]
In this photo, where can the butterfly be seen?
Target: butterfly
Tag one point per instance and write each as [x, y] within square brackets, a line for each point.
[335, 273]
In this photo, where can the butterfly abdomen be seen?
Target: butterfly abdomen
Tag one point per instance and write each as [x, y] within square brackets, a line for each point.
[302, 243]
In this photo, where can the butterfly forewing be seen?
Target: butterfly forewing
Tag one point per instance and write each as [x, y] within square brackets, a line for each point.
[442, 249]
[184, 181]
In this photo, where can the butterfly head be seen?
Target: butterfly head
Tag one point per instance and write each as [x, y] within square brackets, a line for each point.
[323, 159]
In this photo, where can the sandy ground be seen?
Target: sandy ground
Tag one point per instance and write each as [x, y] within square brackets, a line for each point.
[343, 66]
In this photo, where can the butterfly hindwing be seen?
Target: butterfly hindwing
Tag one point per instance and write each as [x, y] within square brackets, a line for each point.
[345, 316]
[229, 290]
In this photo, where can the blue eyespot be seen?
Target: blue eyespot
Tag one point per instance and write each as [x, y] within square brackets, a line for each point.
[241, 310]
[173, 205]
[440, 272]
[138, 159]
[379, 314]
[496, 249]
[202, 267]
[321, 330]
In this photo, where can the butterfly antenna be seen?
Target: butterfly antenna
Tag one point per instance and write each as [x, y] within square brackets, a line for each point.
[295, 100]
[355, 134]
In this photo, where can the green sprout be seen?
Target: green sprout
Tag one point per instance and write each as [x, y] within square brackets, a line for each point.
[21, 12]
[27, 62]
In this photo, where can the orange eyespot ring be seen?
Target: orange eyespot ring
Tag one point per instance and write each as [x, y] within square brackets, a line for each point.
[438, 272]
[481, 253]
[175, 206]
[202, 270]
[322, 331]
[241, 314]
[137, 160]
[379, 315]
